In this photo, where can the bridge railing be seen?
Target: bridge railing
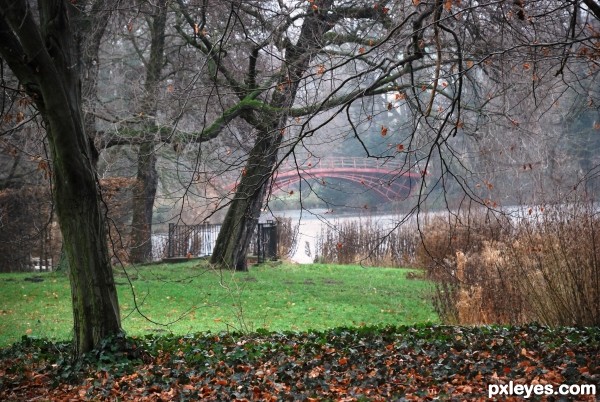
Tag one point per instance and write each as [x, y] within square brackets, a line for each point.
[342, 162]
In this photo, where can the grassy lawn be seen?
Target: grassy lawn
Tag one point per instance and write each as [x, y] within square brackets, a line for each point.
[190, 297]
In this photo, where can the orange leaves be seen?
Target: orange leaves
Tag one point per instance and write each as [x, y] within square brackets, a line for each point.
[222, 382]
[321, 69]
[400, 147]
[315, 372]
[44, 166]
[384, 131]
[384, 10]
[198, 31]
[18, 117]
[282, 85]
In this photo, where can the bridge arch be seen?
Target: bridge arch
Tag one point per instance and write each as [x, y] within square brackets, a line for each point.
[385, 178]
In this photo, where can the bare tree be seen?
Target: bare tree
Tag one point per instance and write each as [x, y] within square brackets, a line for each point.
[292, 37]
[147, 177]
[457, 67]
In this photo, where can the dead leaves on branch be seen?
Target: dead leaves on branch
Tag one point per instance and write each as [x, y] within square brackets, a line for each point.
[348, 364]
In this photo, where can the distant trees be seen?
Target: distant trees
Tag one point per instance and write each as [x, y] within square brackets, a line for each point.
[144, 190]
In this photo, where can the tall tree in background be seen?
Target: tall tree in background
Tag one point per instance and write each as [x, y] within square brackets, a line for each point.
[243, 213]
[43, 53]
[144, 191]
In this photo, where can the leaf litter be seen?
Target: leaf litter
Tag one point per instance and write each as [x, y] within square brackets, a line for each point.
[423, 362]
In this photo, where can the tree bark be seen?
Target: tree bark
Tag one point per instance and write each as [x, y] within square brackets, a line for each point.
[44, 58]
[147, 176]
[144, 193]
[242, 216]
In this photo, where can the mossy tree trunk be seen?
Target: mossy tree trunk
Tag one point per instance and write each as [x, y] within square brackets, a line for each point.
[43, 55]
[242, 216]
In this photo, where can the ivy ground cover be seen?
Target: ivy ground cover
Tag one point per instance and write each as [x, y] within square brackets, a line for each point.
[427, 362]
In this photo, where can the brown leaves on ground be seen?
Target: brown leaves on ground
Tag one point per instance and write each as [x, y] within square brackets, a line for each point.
[378, 364]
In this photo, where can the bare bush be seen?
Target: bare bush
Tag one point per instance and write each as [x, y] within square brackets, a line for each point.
[117, 194]
[287, 237]
[543, 267]
[365, 242]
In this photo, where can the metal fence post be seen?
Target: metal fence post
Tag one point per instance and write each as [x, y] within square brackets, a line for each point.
[171, 241]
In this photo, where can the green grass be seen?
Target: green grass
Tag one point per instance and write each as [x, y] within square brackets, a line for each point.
[190, 297]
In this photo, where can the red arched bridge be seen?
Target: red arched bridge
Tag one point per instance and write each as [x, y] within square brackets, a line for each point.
[386, 177]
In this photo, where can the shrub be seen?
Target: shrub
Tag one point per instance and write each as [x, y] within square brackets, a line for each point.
[544, 266]
[365, 242]
[117, 195]
[287, 237]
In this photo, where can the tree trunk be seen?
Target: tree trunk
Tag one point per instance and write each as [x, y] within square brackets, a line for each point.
[43, 58]
[90, 20]
[82, 221]
[144, 193]
[240, 221]
[147, 178]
